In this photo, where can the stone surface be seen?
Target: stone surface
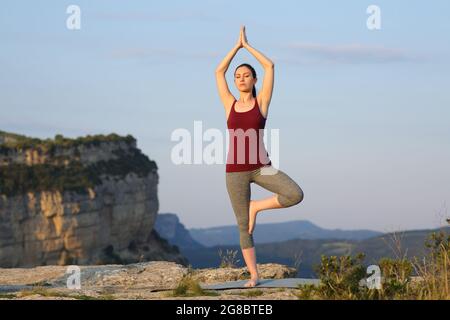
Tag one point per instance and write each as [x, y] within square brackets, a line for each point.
[266, 271]
[146, 280]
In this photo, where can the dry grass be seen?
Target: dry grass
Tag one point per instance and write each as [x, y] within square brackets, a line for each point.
[189, 287]
[228, 259]
[434, 270]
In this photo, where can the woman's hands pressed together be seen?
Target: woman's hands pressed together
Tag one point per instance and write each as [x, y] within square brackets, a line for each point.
[244, 37]
[242, 42]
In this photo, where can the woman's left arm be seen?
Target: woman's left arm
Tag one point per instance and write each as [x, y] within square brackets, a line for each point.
[269, 66]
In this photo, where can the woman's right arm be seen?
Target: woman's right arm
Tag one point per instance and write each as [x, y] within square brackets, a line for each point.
[223, 66]
[224, 92]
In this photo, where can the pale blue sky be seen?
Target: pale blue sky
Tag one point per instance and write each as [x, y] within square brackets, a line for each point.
[363, 115]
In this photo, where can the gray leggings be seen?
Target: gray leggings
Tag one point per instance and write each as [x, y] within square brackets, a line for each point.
[238, 187]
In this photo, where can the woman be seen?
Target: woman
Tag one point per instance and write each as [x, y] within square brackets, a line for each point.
[249, 113]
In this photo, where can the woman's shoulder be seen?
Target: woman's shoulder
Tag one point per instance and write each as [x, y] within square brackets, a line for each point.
[263, 109]
[229, 106]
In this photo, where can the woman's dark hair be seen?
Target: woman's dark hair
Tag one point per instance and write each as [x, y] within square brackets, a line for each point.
[253, 73]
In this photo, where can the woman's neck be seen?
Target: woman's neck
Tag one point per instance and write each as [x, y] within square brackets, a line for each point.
[245, 98]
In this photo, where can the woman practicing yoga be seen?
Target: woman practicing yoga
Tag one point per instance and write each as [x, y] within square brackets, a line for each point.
[249, 114]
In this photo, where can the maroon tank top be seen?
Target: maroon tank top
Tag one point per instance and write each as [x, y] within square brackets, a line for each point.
[246, 148]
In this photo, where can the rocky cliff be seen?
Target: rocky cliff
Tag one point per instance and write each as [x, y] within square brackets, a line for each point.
[169, 227]
[90, 200]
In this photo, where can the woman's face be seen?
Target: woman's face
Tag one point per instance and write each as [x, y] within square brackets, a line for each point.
[243, 79]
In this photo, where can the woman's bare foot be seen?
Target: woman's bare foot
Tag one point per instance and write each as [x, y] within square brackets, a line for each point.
[252, 282]
[252, 212]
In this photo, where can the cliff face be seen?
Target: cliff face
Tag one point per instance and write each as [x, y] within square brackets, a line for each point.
[89, 200]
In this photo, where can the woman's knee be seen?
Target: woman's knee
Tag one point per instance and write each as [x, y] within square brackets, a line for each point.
[247, 242]
[246, 239]
[291, 198]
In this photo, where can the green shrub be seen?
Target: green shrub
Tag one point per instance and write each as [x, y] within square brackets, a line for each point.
[340, 276]
[396, 275]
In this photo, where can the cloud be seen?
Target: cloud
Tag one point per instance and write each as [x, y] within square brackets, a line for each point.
[300, 53]
[163, 53]
[156, 17]
[36, 127]
[346, 53]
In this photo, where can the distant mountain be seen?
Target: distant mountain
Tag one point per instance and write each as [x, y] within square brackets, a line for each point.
[275, 232]
[170, 228]
[308, 252]
[303, 251]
